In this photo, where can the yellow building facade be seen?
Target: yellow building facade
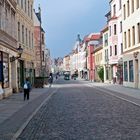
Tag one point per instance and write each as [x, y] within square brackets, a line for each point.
[98, 55]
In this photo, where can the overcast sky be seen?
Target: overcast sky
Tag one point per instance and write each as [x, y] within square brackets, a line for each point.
[62, 20]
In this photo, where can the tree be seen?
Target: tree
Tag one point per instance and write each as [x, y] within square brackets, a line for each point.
[100, 72]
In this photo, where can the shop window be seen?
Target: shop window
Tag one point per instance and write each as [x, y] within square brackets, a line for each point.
[4, 69]
[131, 73]
[125, 72]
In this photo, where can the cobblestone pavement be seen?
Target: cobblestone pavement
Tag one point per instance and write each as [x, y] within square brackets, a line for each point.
[78, 112]
[20, 111]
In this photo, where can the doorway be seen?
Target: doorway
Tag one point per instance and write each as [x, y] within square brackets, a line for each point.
[136, 73]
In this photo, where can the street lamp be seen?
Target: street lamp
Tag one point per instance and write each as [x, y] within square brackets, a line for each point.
[20, 51]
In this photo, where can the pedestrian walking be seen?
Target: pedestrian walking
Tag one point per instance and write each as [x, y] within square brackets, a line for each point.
[27, 89]
[51, 79]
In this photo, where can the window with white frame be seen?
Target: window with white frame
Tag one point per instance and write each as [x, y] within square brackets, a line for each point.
[128, 8]
[137, 4]
[115, 29]
[133, 35]
[115, 48]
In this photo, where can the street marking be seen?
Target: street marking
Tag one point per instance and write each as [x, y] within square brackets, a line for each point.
[108, 92]
[16, 135]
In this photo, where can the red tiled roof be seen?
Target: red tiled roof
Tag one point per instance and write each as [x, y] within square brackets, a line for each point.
[95, 37]
[114, 17]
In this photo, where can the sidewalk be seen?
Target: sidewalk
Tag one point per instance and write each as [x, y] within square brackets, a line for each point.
[135, 93]
[128, 91]
[15, 102]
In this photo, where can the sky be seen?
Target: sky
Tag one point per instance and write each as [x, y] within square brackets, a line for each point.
[62, 20]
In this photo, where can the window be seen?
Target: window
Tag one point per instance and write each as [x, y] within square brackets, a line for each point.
[132, 8]
[114, 9]
[128, 8]
[125, 71]
[0, 15]
[18, 31]
[110, 30]
[131, 74]
[28, 8]
[43, 56]
[22, 33]
[110, 50]
[106, 39]
[137, 3]
[138, 30]
[107, 54]
[42, 38]
[31, 12]
[115, 30]
[22, 4]
[120, 4]
[25, 5]
[125, 41]
[121, 48]
[133, 35]
[5, 70]
[124, 11]
[115, 47]
[29, 39]
[32, 40]
[129, 38]
[120, 26]
[26, 37]
[6, 19]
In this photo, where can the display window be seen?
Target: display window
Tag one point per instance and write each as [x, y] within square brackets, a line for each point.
[4, 69]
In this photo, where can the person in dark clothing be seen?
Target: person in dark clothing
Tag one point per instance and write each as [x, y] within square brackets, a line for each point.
[27, 89]
[51, 79]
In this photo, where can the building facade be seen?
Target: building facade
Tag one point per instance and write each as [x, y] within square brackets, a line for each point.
[39, 43]
[25, 38]
[131, 41]
[105, 33]
[8, 46]
[98, 59]
[115, 41]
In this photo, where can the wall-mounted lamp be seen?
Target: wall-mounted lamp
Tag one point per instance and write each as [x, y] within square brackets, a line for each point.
[135, 54]
[20, 51]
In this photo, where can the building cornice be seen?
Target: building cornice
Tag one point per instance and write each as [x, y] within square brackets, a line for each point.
[131, 50]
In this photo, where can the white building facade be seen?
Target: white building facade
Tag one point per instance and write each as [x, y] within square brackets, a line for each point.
[131, 41]
[115, 41]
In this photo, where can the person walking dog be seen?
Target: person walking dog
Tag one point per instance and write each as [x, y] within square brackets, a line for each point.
[27, 89]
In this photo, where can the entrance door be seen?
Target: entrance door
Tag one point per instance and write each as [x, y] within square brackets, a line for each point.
[136, 73]
[21, 73]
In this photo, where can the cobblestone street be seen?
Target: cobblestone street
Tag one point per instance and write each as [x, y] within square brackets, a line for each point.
[78, 112]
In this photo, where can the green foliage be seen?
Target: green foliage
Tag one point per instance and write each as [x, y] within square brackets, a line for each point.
[101, 73]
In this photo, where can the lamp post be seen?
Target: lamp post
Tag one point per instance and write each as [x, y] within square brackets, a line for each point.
[20, 51]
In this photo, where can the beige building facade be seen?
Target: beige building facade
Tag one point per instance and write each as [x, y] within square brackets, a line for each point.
[131, 41]
[25, 38]
[8, 46]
